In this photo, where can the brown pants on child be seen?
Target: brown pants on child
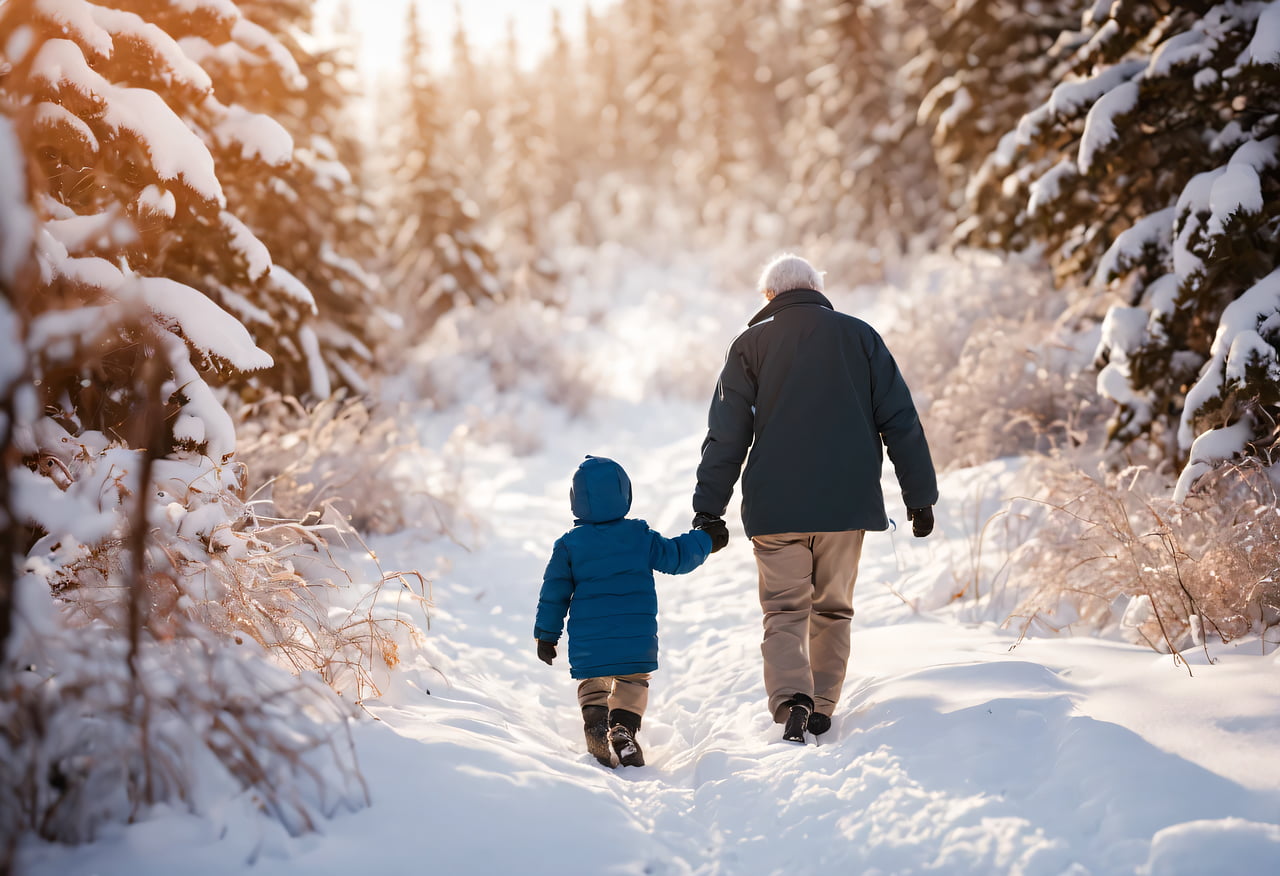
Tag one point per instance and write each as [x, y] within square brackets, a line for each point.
[806, 592]
[629, 692]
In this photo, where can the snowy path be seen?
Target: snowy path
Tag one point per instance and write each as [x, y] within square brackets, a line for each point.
[951, 753]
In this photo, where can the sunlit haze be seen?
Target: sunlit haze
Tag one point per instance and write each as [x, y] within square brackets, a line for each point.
[379, 26]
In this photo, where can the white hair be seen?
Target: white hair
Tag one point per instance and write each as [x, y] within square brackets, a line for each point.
[787, 272]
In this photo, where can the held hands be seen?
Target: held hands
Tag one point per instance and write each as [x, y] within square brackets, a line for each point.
[714, 527]
[546, 651]
[921, 521]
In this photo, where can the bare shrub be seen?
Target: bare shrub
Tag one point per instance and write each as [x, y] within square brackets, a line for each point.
[983, 346]
[170, 644]
[1169, 575]
[89, 736]
[345, 453]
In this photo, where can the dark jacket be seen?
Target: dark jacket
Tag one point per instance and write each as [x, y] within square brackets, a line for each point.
[813, 394]
[601, 574]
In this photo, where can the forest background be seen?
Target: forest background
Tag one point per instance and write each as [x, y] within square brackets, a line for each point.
[217, 246]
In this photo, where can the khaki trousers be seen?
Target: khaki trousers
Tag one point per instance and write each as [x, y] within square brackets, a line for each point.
[806, 592]
[629, 692]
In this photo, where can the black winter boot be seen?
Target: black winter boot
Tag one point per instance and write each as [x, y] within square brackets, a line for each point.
[623, 728]
[595, 721]
[801, 707]
[819, 723]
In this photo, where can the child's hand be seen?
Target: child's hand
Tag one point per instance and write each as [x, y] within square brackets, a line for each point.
[546, 651]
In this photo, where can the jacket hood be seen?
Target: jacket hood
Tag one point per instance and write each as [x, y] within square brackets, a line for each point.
[601, 491]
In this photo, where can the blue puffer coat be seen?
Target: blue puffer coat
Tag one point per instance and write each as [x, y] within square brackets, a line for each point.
[601, 575]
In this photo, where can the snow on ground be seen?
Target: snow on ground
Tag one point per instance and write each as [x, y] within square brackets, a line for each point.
[957, 748]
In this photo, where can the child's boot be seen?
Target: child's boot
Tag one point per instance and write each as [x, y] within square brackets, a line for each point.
[623, 728]
[595, 723]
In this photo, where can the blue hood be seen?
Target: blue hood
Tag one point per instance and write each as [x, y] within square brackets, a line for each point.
[601, 491]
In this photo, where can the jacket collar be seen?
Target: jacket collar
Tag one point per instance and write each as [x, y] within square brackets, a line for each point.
[789, 299]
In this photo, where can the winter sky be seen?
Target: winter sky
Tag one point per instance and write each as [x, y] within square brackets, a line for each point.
[380, 25]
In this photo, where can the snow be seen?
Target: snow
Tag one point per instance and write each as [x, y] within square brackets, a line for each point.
[1237, 190]
[1152, 231]
[254, 252]
[205, 325]
[1240, 322]
[1189, 47]
[1048, 188]
[292, 287]
[97, 28]
[176, 152]
[259, 136]
[1124, 331]
[1193, 201]
[204, 421]
[17, 224]
[961, 103]
[158, 201]
[1209, 449]
[1264, 48]
[260, 40]
[1100, 124]
[52, 115]
[957, 749]
[321, 386]
[1069, 99]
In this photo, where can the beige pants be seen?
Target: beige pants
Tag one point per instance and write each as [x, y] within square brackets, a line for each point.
[630, 692]
[806, 592]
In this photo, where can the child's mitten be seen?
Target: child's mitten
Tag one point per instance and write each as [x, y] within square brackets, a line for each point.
[546, 651]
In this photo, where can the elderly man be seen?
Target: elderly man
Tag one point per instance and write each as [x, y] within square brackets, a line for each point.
[813, 394]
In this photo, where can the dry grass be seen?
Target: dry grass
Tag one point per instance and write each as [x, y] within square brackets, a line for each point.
[1169, 575]
[993, 368]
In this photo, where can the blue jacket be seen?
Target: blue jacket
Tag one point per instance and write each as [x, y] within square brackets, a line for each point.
[815, 396]
[601, 575]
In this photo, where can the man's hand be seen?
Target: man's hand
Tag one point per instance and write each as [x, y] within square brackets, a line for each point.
[714, 527]
[546, 651]
[921, 521]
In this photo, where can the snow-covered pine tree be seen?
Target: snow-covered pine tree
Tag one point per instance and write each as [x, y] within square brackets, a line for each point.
[150, 595]
[651, 112]
[522, 178]
[733, 114]
[844, 139]
[437, 261]
[312, 214]
[468, 100]
[1155, 168]
[980, 66]
[134, 223]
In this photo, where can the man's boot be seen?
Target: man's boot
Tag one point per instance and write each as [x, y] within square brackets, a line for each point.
[622, 735]
[819, 723]
[800, 708]
[595, 724]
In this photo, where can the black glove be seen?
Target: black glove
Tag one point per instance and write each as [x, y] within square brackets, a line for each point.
[714, 527]
[921, 521]
[546, 651]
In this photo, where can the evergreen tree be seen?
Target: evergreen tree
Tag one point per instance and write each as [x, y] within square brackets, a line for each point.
[437, 261]
[980, 67]
[522, 183]
[846, 139]
[126, 130]
[313, 214]
[1153, 166]
[652, 114]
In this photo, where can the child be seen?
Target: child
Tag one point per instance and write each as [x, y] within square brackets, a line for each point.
[601, 574]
